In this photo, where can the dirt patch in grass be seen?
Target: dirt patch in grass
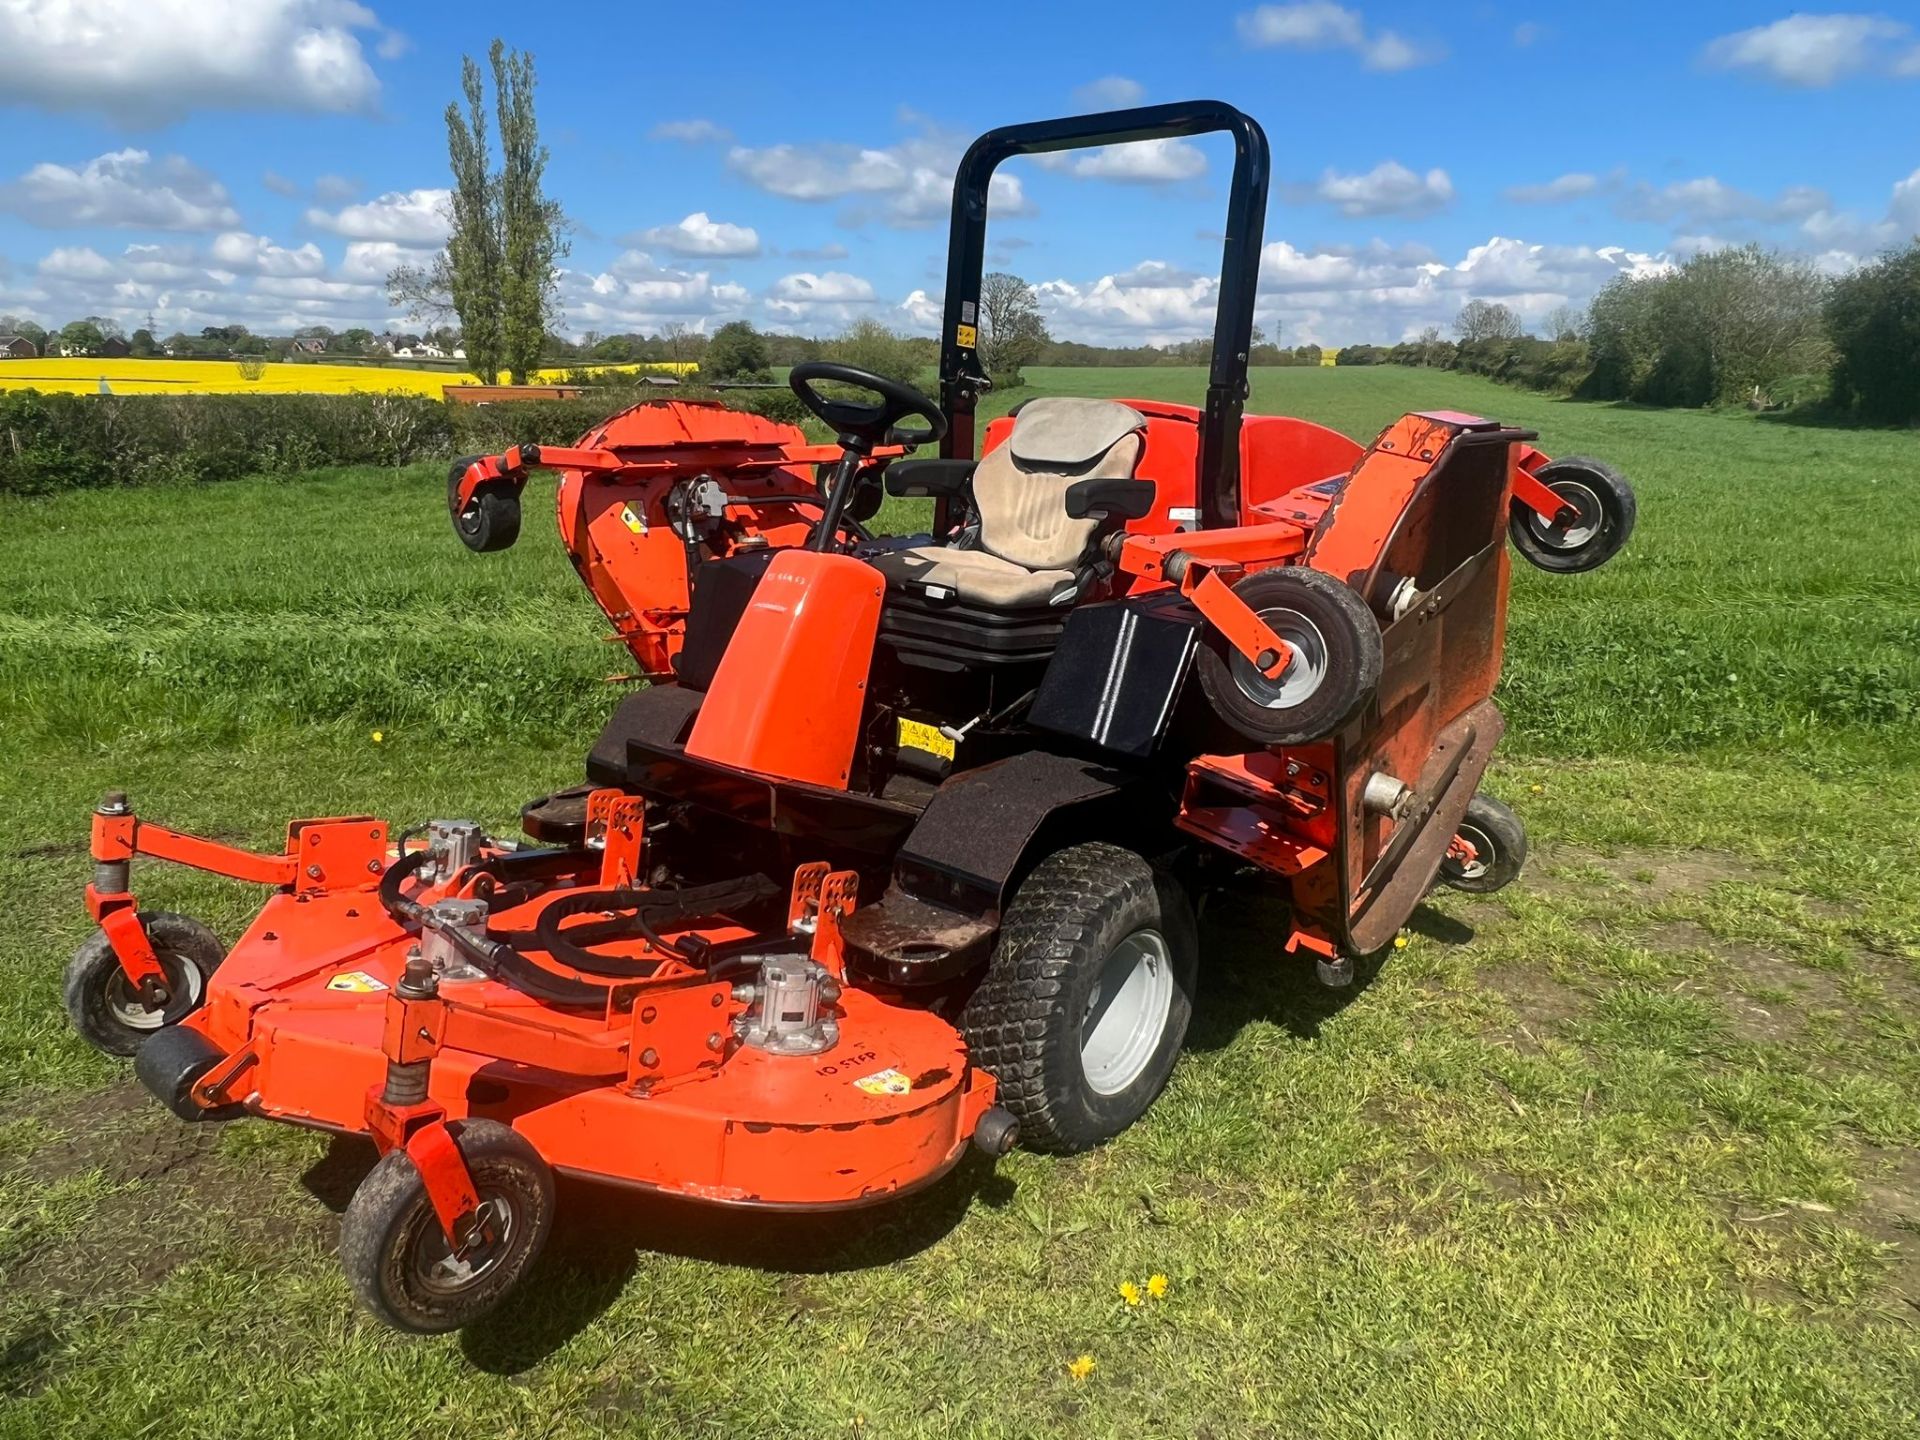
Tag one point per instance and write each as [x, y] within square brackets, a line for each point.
[162, 1194]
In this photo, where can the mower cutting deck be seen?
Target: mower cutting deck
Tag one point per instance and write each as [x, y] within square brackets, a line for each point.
[901, 847]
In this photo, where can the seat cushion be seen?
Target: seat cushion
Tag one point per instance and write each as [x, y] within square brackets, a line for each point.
[1020, 488]
[974, 576]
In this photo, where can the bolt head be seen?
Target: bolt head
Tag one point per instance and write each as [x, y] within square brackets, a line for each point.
[649, 1057]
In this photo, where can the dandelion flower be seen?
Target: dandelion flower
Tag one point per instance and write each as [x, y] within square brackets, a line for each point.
[1535, 789]
[1080, 1367]
[1157, 1286]
[1399, 942]
[1130, 1292]
[378, 736]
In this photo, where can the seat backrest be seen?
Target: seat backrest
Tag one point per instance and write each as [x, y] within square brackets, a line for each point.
[1020, 489]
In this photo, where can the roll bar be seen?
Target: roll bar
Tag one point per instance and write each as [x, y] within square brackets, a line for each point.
[1218, 475]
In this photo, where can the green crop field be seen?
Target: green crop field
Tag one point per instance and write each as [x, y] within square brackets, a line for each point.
[1632, 1148]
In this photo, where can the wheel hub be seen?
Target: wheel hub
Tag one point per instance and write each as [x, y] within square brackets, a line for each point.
[446, 1269]
[1127, 1012]
[1586, 523]
[1305, 673]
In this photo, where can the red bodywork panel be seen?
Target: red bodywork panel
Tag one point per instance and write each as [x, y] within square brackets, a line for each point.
[787, 698]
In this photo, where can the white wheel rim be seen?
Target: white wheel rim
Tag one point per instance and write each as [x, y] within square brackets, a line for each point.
[1482, 853]
[1585, 500]
[444, 1270]
[130, 1009]
[1306, 671]
[1126, 1014]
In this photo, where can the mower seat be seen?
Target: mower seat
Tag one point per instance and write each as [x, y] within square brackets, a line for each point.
[1027, 550]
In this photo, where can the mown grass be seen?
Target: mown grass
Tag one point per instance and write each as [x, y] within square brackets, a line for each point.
[1631, 1148]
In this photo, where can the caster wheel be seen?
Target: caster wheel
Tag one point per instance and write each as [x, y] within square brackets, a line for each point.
[104, 1007]
[1335, 666]
[491, 519]
[397, 1257]
[1604, 511]
[997, 1133]
[1087, 997]
[1499, 843]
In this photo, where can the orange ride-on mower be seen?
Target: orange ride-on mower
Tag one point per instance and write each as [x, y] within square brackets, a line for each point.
[901, 848]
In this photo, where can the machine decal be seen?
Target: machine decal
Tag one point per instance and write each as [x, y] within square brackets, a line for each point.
[918, 735]
[357, 982]
[884, 1082]
[631, 519]
[966, 336]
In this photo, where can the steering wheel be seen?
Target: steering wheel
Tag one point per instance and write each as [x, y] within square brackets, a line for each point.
[861, 427]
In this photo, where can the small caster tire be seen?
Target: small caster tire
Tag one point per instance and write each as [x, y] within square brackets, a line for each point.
[1335, 669]
[103, 1005]
[397, 1258]
[997, 1133]
[1499, 843]
[170, 1063]
[1086, 1000]
[491, 519]
[1335, 974]
[1604, 511]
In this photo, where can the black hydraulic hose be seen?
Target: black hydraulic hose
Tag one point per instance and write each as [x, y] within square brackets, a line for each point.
[650, 908]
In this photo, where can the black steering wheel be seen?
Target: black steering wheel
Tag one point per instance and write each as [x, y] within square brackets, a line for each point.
[861, 427]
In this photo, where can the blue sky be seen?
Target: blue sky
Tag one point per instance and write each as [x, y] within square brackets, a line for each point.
[266, 161]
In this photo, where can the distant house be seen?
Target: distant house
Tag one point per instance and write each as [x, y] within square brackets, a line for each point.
[309, 345]
[114, 348]
[410, 347]
[17, 347]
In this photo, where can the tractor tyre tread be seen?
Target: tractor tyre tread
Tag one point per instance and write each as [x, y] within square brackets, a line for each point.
[1019, 1024]
[1620, 506]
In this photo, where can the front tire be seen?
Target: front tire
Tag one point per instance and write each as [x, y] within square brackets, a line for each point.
[1087, 999]
[109, 1013]
[397, 1258]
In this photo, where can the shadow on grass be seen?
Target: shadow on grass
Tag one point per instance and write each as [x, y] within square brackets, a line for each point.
[602, 1232]
[1246, 975]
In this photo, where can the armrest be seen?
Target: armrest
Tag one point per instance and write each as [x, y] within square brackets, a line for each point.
[1117, 495]
[937, 479]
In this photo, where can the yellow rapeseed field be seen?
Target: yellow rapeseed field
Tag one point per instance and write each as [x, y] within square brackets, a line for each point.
[83, 376]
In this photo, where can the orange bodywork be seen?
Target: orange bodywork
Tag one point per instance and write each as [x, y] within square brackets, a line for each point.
[787, 698]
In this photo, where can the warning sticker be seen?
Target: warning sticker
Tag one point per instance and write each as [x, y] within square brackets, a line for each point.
[359, 982]
[884, 1082]
[966, 335]
[630, 518]
[921, 736]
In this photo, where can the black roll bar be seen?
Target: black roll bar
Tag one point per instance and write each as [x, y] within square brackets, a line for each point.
[1218, 475]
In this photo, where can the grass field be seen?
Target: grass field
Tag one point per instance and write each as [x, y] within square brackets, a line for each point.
[84, 375]
[1630, 1149]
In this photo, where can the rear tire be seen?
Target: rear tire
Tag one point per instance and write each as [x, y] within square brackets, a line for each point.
[1335, 667]
[491, 519]
[102, 1003]
[396, 1256]
[1087, 998]
[1500, 849]
[1605, 506]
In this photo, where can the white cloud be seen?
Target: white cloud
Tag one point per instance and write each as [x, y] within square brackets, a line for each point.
[1387, 189]
[1904, 209]
[699, 235]
[1815, 51]
[373, 260]
[279, 184]
[1149, 162]
[1152, 303]
[913, 181]
[126, 189]
[830, 295]
[1322, 25]
[151, 62]
[691, 132]
[415, 218]
[920, 311]
[1564, 187]
[1109, 92]
[636, 292]
[77, 262]
[1709, 201]
[256, 255]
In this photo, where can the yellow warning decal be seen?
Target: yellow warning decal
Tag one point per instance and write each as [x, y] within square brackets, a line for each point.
[630, 518]
[966, 335]
[925, 737]
[359, 982]
[884, 1082]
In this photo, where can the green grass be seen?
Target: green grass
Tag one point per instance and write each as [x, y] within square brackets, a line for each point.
[1632, 1148]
